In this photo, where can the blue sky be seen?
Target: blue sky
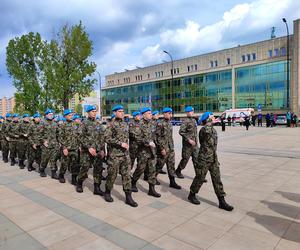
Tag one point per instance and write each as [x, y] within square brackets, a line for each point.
[130, 33]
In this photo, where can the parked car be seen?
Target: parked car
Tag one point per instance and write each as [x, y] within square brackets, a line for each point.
[281, 120]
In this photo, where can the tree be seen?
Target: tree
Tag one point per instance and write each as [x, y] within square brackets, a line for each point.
[68, 70]
[24, 61]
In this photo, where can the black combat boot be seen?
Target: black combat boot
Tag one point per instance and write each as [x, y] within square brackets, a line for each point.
[157, 182]
[133, 186]
[30, 168]
[42, 173]
[12, 161]
[54, 174]
[107, 196]
[129, 200]
[21, 164]
[152, 191]
[74, 179]
[173, 183]
[5, 160]
[97, 189]
[79, 188]
[192, 198]
[145, 177]
[224, 205]
[179, 174]
[61, 178]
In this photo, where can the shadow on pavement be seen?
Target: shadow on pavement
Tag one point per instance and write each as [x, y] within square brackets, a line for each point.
[290, 196]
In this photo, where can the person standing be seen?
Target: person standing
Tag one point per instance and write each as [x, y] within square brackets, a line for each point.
[208, 161]
[146, 154]
[165, 147]
[223, 122]
[23, 145]
[288, 119]
[12, 133]
[117, 138]
[188, 132]
[259, 120]
[1, 135]
[247, 122]
[5, 140]
[268, 120]
[134, 131]
[229, 120]
[253, 118]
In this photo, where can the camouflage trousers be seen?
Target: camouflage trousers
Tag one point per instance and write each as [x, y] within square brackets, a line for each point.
[133, 151]
[187, 152]
[5, 149]
[145, 160]
[87, 161]
[114, 165]
[201, 169]
[168, 159]
[34, 155]
[0, 144]
[49, 155]
[70, 162]
[22, 150]
[13, 149]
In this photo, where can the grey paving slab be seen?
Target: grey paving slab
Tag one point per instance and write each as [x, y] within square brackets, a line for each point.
[65, 211]
[23, 242]
[103, 229]
[3, 219]
[85, 220]
[9, 230]
[151, 247]
[158, 204]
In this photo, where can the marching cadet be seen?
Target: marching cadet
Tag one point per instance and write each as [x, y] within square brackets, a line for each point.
[188, 131]
[5, 142]
[89, 151]
[34, 137]
[146, 154]
[208, 161]
[12, 135]
[50, 145]
[134, 131]
[23, 143]
[165, 147]
[117, 138]
[1, 136]
[77, 127]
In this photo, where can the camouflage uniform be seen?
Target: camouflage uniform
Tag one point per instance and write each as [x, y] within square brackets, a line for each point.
[12, 133]
[100, 146]
[35, 138]
[208, 161]
[50, 154]
[116, 134]
[1, 136]
[89, 140]
[146, 154]
[164, 140]
[23, 141]
[69, 139]
[5, 142]
[134, 132]
[188, 130]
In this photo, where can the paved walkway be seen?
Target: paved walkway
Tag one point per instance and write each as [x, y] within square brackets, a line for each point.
[261, 174]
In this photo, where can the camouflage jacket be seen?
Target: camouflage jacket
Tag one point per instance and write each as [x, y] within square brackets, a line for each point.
[134, 131]
[188, 130]
[208, 139]
[49, 133]
[3, 129]
[117, 133]
[23, 130]
[1, 136]
[12, 131]
[164, 135]
[89, 134]
[35, 133]
[100, 137]
[68, 136]
[147, 135]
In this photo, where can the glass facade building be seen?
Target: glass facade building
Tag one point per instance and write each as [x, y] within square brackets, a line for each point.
[263, 84]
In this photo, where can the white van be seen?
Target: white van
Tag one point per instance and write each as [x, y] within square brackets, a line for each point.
[237, 113]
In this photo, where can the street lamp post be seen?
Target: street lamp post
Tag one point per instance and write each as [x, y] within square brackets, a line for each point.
[288, 63]
[172, 78]
[99, 79]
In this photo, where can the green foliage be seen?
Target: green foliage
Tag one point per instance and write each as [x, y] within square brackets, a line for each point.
[48, 74]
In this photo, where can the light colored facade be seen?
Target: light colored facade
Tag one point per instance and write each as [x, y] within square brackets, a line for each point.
[7, 105]
[249, 75]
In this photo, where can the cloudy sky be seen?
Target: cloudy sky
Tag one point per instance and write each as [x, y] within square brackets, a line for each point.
[130, 33]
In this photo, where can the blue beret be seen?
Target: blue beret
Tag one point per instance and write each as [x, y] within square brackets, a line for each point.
[67, 112]
[204, 116]
[1, 117]
[155, 112]
[62, 119]
[135, 113]
[8, 115]
[90, 108]
[36, 115]
[167, 110]
[113, 116]
[188, 109]
[75, 117]
[49, 111]
[117, 107]
[25, 115]
[15, 115]
[144, 110]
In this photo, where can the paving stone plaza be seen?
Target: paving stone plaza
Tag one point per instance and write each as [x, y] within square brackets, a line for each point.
[261, 175]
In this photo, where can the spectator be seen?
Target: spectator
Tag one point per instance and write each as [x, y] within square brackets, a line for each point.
[247, 122]
[222, 118]
[253, 120]
[288, 119]
[272, 120]
[268, 120]
[229, 120]
[259, 120]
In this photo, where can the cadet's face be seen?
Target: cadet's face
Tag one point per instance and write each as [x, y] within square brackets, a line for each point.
[120, 114]
[138, 118]
[167, 116]
[16, 119]
[26, 119]
[69, 117]
[190, 114]
[147, 115]
[92, 114]
[78, 121]
[49, 116]
[37, 119]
